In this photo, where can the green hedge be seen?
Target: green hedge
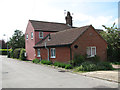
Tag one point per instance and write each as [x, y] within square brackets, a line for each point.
[22, 54]
[16, 53]
[46, 62]
[36, 60]
[63, 65]
[4, 51]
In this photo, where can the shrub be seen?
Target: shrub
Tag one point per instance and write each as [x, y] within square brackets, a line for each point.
[94, 59]
[59, 64]
[104, 66]
[16, 53]
[78, 59]
[4, 51]
[11, 54]
[88, 66]
[8, 55]
[91, 66]
[36, 60]
[46, 62]
[22, 54]
[68, 66]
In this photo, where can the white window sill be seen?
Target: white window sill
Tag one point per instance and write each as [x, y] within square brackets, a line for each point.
[40, 37]
[38, 56]
[53, 57]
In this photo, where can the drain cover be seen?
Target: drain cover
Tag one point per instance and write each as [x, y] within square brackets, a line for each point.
[4, 72]
[61, 71]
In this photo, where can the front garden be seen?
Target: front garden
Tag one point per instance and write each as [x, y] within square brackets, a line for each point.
[79, 63]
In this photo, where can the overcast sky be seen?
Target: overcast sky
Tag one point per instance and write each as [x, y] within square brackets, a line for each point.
[14, 14]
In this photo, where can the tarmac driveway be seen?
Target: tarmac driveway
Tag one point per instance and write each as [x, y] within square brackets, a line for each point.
[20, 74]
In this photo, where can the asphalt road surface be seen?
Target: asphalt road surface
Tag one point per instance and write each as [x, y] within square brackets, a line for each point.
[20, 74]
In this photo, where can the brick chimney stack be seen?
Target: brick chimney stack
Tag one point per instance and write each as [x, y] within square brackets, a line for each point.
[68, 19]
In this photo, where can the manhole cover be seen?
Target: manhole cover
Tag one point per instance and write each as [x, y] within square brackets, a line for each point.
[61, 71]
[4, 72]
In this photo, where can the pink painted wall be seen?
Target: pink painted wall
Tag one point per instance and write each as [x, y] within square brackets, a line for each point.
[30, 42]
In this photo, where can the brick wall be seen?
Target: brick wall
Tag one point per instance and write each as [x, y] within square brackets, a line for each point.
[90, 38]
[30, 42]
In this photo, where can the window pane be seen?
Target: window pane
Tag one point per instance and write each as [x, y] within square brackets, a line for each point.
[31, 34]
[93, 51]
[89, 51]
[38, 52]
[40, 34]
[51, 52]
[54, 52]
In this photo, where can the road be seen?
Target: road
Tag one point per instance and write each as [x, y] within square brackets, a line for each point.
[21, 74]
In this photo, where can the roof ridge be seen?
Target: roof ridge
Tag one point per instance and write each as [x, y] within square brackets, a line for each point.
[70, 29]
[47, 22]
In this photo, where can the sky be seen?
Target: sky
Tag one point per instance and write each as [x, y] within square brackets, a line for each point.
[16, 13]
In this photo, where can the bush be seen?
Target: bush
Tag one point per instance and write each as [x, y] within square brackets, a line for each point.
[94, 59]
[4, 51]
[104, 66]
[22, 54]
[68, 66]
[8, 55]
[91, 66]
[78, 59]
[16, 53]
[59, 64]
[11, 54]
[36, 60]
[87, 66]
[46, 62]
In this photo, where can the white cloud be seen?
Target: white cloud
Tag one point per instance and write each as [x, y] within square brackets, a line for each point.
[83, 19]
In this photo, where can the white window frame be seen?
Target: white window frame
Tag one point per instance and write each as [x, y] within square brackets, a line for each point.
[31, 35]
[27, 37]
[54, 53]
[37, 52]
[91, 51]
[40, 36]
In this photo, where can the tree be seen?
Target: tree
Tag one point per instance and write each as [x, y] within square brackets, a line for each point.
[112, 36]
[17, 40]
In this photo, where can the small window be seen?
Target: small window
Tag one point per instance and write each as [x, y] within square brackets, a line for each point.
[40, 35]
[91, 51]
[27, 37]
[38, 52]
[31, 35]
[53, 53]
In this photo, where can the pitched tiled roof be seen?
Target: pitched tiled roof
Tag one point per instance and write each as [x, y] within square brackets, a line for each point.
[65, 37]
[48, 26]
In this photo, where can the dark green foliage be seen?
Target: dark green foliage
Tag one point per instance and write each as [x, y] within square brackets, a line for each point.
[63, 65]
[68, 66]
[78, 59]
[22, 54]
[116, 63]
[104, 66]
[59, 64]
[46, 62]
[87, 66]
[93, 59]
[17, 40]
[11, 54]
[4, 51]
[16, 53]
[91, 66]
[36, 60]
[112, 36]
[8, 55]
